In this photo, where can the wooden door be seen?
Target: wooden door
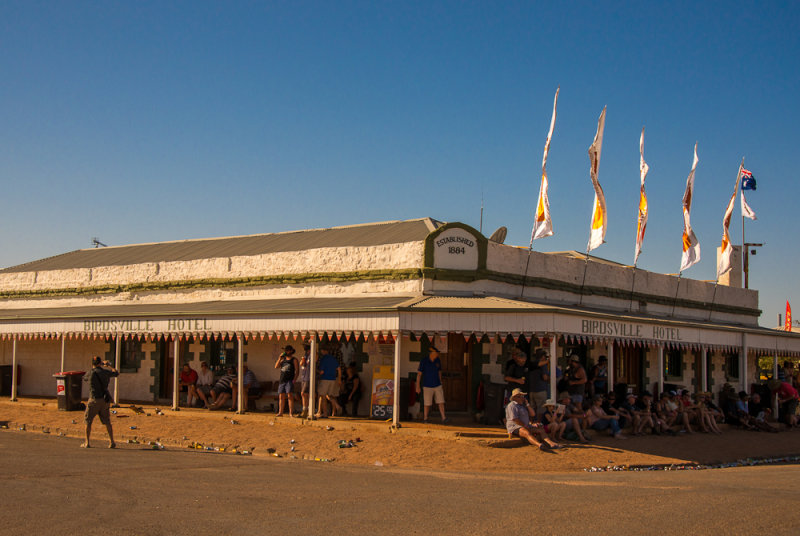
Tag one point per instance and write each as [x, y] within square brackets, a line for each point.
[455, 377]
[628, 367]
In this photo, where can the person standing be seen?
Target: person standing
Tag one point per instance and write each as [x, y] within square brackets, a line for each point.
[305, 377]
[351, 391]
[516, 371]
[99, 399]
[539, 380]
[429, 381]
[287, 363]
[330, 378]
[576, 379]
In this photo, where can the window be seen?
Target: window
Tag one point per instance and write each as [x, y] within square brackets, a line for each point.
[130, 355]
[732, 366]
[673, 363]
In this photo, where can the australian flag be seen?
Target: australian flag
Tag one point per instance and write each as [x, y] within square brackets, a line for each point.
[748, 181]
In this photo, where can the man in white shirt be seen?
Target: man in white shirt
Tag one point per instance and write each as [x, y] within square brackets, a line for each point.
[205, 381]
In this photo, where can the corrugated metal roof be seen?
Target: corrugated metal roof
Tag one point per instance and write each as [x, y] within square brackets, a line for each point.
[226, 308]
[478, 303]
[372, 234]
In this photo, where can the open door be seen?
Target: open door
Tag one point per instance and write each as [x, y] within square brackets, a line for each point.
[455, 377]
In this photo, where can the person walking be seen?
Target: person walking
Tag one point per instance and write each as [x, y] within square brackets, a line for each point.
[99, 399]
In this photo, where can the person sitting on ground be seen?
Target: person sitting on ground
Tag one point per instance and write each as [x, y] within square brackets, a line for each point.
[290, 368]
[519, 422]
[647, 417]
[714, 410]
[707, 421]
[787, 400]
[251, 387]
[205, 382]
[628, 409]
[600, 420]
[689, 408]
[758, 409]
[742, 407]
[667, 410]
[223, 389]
[574, 418]
[188, 379]
[351, 390]
[552, 420]
[612, 407]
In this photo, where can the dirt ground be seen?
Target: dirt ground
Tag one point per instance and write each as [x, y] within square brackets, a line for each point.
[459, 447]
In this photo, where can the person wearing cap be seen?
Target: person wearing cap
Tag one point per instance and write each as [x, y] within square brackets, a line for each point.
[99, 399]
[429, 382]
[576, 379]
[289, 369]
[516, 371]
[205, 382]
[574, 418]
[519, 422]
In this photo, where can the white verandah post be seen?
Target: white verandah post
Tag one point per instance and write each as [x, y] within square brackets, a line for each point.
[610, 366]
[660, 369]
[63, 353]
[240, 374]
[117, 353]
[704, 369]
[14, 370]
[743, 365]
[176, 370]
[312, 377]
[396, 398]
[553, 350]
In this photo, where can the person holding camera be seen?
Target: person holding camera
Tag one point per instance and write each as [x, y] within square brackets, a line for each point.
[287, 364]
[99, 399]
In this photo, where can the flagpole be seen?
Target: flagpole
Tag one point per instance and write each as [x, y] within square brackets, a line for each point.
[585, 266]
[633, 285]
[525, 274]
[713, 298]
[675, 300]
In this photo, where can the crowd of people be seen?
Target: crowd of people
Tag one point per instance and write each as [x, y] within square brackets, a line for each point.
[339, 388]
[585, 405]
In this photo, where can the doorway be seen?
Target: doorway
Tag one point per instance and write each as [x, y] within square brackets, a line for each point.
[628, 367]
[455, 372]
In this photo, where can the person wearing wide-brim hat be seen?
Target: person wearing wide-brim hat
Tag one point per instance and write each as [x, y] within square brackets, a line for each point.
[519, 422]
[289, 367]
[552, 421]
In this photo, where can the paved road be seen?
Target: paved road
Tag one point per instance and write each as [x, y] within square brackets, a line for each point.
[50, 486]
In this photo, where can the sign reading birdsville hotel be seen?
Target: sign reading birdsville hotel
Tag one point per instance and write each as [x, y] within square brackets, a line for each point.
[456, 249]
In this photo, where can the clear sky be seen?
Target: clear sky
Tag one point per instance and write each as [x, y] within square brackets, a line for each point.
[150, 121]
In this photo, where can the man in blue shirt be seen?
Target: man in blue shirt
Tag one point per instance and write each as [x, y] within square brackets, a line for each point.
[329, 381]
[429, 381]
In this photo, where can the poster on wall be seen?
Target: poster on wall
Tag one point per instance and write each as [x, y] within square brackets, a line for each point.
[382, 399]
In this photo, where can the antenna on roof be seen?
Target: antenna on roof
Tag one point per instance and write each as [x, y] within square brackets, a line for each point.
[480, 229]
[96, 242]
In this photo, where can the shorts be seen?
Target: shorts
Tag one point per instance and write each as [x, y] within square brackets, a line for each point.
[285, 388]
[227, 390]
[205, 389]
[433, 394]
[538, 399]
[328, 388]
[97, 407]
[304, 387]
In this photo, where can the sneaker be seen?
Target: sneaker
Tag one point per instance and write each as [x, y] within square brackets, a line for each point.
[445, 420]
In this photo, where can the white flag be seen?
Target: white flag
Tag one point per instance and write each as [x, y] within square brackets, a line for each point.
[725, 262]
[747, 212]
[691, 247]
[542, 224]
[599, 221]
[641, 223]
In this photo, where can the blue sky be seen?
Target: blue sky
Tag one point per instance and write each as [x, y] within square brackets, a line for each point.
[149, 121]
